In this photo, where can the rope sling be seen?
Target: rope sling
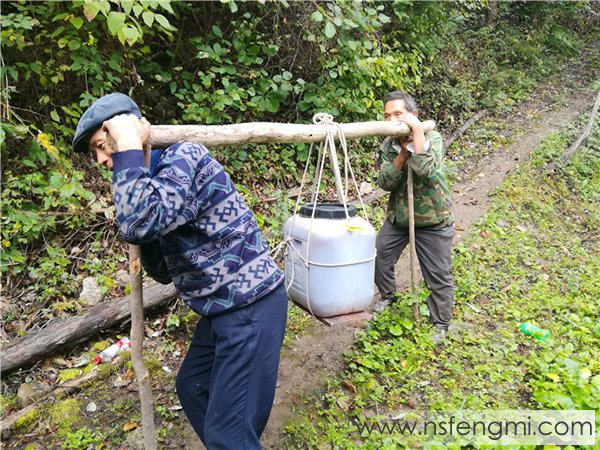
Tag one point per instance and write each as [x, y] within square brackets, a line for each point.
[326, 148]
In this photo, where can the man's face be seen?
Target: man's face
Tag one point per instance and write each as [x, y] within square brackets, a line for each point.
[394, 111]
[100, 149]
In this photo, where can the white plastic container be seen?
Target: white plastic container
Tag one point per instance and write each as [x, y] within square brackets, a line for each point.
[330, 263]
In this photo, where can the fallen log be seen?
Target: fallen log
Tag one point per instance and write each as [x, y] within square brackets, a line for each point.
[566, 158]
[372, 197]
[267, 132]
[60, 334]
[468, 124]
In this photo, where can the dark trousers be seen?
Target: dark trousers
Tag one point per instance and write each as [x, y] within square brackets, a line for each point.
[227, 380]
[433, 245]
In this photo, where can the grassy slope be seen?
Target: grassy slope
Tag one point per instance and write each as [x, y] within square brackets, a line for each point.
[533, 257]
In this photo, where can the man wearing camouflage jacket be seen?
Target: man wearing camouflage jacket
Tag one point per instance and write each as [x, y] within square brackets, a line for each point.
[434, 221]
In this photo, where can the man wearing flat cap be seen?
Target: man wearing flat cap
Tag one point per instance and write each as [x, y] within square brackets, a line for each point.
[195, 230]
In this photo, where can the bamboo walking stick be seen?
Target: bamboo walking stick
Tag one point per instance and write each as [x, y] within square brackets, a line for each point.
[412, 247]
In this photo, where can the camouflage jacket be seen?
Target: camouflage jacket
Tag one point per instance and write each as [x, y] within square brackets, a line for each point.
[432, 198]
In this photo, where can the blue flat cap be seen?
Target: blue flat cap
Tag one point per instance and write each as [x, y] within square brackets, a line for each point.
[102, 109]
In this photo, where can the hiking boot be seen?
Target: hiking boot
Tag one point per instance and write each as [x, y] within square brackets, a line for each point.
[382, 304]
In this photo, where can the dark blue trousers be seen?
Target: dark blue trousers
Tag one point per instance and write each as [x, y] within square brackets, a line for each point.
[227, 380]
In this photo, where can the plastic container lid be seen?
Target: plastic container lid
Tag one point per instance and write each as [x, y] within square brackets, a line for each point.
[328, 211]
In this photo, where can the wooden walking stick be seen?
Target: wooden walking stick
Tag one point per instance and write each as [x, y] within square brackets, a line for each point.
[412, 247]
[137, 339]
[137, 342]
[137, 331]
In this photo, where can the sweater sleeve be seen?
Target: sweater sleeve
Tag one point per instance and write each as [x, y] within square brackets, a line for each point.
[150, 207]
[153, 262]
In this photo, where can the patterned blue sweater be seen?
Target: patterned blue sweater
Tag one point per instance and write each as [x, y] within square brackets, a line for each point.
[194, 228]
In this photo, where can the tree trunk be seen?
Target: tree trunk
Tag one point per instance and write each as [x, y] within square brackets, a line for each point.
[492, 13]
[267, 132]
[468, 124]
[60, 334]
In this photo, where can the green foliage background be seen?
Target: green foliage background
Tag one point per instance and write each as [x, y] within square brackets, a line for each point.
[228, 62]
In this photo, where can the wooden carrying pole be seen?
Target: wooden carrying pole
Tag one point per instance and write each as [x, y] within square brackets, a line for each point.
[267, 132]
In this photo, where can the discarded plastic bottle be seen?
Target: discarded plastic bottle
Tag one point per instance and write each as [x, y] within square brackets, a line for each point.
[110, 352]
[531, 330]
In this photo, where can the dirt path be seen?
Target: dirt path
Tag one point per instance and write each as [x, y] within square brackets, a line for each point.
[318, 355]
